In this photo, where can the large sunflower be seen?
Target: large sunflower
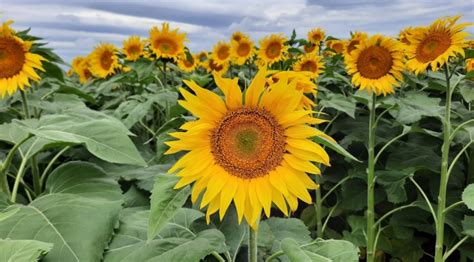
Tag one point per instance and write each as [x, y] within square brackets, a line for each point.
[104, 60]
[376, 65]
[316, 36]
[272, 49]
[211, 66]
[241, 51]
[221, 53]
[310, 63]
[434, 45]
[133, 48]
[188, 63]
[17, 62]
[254, 151]
[354, 41]
[165, 43]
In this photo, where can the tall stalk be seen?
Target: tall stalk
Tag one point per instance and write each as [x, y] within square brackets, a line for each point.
[371, 185]
[253, 251]
[443, 184]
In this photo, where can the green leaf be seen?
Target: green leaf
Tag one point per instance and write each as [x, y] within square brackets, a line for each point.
[468, 225]
[336, 147]
[23, 250]
[233, 231]
[414, 105]
[165, 202]
[273, 230]
[296, 254]
[132, 111]
[335, 250]
[467, 91]
[468, 196]
[77, 214]
[104, 138]
[393, 182]
[340, 102]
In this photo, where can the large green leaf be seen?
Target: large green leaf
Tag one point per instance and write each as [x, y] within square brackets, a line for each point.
[468, 225]
[340, 103]
[104, 138]
[273, 230]
[414, 105]
[23, 250]
[393, 182]
[165, 202]
[468, 196]
[320, 251]
[77, 214]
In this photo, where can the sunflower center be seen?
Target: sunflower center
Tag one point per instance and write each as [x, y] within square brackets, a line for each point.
[134, 50]
[166, 46]
[317, 38]
[214, 66]
[188, 63]
[248, 142]
[273, 50]
[243, 49]
[309, 48]
[433, 46]
[309, 66]
[374, 62]
[12, 57]
[223, 53]
[106, 59]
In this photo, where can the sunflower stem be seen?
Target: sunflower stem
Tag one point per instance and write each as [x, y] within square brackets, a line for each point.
[443, 184]
[164, 74]
[253, 234]
[371, 184]
[318, 206]
[26, 108]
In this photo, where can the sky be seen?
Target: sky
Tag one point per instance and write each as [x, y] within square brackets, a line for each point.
[74, 27]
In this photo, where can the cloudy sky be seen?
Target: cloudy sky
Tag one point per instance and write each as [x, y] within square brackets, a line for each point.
[73, 27]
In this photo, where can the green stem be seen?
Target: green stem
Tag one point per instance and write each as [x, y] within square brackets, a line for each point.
[371, 185]
[318, 206]
[24, 100]
[443, 184]
[21, 172]
[164, 74]
[427, 200]
[252, 244]
[4, 168]
[36, 175]
[453, 206]
[449, 252]
[391, 212]
[217, 256]
[50, 165]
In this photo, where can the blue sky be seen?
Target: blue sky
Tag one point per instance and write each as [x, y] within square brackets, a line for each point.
[74, 27]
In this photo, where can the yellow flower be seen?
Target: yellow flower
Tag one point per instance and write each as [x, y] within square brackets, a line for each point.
[355, 41]
[211, 66]
[237, 36]
[17, 62]
[311, 48]
[188, 64]
[303, 83]
[310, 63]
[104, 60]
[316, 36]
[80, 65]
[406, 33]
[376, 65]
[165, 43]
[221, 53]
[133, 48]
[336, 45]
[241, 51]
[434, 45]
[254, 151]
[470, 65]
[272, 49]
[470, 44]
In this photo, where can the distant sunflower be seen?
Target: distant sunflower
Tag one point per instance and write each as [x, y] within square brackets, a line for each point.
[165, 43]
[310, 63]
[237, 36]
[336, 45]
[202, 56]
[272, 49]
[133, 48]
[355, 41]
[188, 64]
[254, 151]
[80, 66]
[470, 65]
[405, 34]
[17, 62]
[376, 65]
[316, 36]
[211, 66]
[104, 60]
[311, 48]
[221, 53]
[303, 83]
[434, 45]
[241, 51]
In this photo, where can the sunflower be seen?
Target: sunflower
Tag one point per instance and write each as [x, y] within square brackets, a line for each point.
[354, 41]
[188, 63]
[237, 36]
[165, 43]
[434, 45]
[272, 49]
[211, 66]
[311, 48]
[17, 62]
[470, 44]
[202, 56]
[104, 60]
[406, 33]
[254, 151]
[80, 65]
[470, 65]
[336, 45]
[310, 63]
[221, 53]
[316, 36]
[133, 48]
[376, 65]
[241, 51]
[303, 83]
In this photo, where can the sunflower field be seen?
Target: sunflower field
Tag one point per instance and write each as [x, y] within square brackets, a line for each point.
[291, 148]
